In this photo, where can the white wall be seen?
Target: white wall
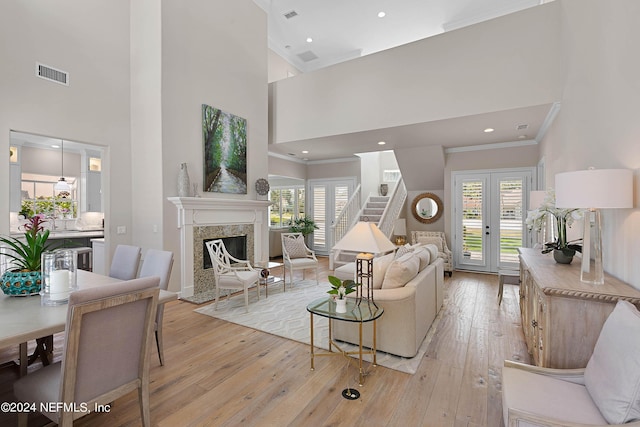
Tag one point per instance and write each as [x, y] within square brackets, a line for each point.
[90, 40]
[508, 62]
[213, 52]
[598, 124]
[279, 68]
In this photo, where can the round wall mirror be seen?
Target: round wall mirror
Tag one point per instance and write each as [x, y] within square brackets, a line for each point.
[426, 208]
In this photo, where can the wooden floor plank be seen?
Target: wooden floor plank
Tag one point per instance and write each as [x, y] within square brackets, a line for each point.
[221, 374]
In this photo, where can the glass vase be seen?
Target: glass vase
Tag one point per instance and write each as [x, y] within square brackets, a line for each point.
[59, 276]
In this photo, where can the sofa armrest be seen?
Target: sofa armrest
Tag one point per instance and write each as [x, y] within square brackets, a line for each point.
[516, 417]
[571, 375]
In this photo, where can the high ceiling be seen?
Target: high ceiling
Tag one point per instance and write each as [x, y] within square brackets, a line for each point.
[346, 29]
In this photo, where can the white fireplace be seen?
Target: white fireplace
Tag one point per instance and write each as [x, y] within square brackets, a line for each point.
[205, 218]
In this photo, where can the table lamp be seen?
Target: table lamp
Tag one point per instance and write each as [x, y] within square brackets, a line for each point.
[366, 238]
[400, 231]
[594, 189]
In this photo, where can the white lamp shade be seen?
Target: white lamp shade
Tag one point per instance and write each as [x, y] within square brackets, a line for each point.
[365, 237]
[536, 198]
[595, 188]
[400, 227]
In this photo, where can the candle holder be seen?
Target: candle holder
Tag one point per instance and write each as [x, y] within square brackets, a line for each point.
[58, 276]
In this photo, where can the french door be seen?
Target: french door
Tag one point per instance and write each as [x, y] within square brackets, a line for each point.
[488, 217]
[327, 198]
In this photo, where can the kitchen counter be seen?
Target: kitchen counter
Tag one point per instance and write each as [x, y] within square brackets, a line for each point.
[69, 234]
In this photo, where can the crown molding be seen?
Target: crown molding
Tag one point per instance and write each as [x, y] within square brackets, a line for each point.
[495, 146]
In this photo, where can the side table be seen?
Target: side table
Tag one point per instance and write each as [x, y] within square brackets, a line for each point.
[362, 313]
[265, 276]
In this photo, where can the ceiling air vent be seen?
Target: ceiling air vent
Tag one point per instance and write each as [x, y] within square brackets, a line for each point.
[307, 56]
[49, 73]
[522, 127]
[291, 14]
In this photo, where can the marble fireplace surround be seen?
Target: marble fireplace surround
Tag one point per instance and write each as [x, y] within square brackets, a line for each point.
[206, 218]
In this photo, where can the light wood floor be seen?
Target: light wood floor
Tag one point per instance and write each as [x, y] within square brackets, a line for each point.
[221, 374]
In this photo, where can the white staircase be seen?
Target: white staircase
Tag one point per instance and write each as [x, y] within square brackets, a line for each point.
[374, 208]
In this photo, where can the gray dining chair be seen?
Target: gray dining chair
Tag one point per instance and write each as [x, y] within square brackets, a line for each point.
[158, 263]
[105, 355]
[124, 265]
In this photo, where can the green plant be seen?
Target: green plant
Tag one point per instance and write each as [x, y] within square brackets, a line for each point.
[341, 288]
[305, 225]
[27, 255]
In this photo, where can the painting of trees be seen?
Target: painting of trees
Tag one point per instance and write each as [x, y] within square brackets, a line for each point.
[225, 151]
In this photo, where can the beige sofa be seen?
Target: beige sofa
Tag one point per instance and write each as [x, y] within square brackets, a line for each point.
[409, 310]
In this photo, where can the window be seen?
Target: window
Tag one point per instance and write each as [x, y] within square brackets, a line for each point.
[38, 197]
[288, 204]
[390, 175]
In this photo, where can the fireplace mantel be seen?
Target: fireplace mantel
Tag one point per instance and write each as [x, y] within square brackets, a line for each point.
[205, 211]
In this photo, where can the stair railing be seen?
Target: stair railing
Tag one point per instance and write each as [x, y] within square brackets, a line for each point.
[394, 206]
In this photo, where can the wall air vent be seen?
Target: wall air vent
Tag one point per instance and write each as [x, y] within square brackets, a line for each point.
[291, 14]
[54, 75]
[522, 127]
[307, 56]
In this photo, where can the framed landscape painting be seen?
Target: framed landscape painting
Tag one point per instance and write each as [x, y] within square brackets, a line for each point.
[225, 151]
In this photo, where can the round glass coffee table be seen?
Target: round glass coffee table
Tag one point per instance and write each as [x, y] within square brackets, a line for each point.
[361, 312]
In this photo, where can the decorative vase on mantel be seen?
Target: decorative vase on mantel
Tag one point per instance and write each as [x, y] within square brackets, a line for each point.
[184, 184]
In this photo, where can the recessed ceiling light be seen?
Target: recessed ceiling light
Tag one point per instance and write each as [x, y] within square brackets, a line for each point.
[305, 151]
[309, 39]
[381, 14]
[522, 136]
[381, 143]
[488, 130]
[55, 146]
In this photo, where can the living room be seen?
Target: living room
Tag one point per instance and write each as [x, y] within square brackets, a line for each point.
[138, 79]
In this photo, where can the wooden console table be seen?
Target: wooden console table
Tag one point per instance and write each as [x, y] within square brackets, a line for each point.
[561, 316]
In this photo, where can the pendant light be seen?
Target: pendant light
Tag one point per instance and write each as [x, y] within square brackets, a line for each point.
[62, 184]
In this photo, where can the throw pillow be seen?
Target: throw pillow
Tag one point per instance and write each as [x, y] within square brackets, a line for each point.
[380, 266]
[295, 247]
[612, 376]
[424, 257]
[433, 251]
[401, 271]
[432, 241]
[405, 249]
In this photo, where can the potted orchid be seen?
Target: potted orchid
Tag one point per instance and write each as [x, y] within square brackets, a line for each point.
[26, 255]
[563, 250]
[340, 289]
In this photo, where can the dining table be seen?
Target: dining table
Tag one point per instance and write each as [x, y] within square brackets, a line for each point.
[24, 318]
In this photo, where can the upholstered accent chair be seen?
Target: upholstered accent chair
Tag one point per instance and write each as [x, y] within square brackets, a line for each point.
[297, 256]
[606, 392]
[125, 262]
[231, 273]
[158, 263]
[105, 356]
[439, 239]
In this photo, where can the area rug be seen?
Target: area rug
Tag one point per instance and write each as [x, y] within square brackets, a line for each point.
[285, 314]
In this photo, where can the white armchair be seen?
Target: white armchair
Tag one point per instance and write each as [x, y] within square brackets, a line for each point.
[297, 256]
[239, 275]
[439, 239]
[604, 393]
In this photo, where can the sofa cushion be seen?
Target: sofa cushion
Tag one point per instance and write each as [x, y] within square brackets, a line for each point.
[402, 250]
[401, 271]
[424, 256]
[431, 240]
[380, 267]
[548, 396]
[433, 251]
[612, 375]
